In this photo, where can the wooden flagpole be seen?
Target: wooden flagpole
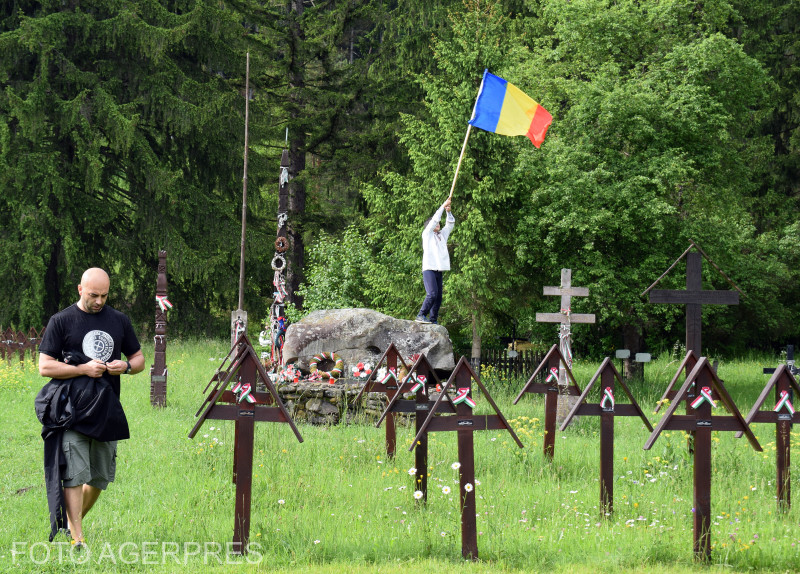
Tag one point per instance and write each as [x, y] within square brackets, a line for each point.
[461, 157]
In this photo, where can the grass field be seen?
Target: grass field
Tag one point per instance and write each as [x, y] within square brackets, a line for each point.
[337, 503]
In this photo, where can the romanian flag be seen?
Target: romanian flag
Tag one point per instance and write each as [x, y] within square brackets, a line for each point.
[504, 109]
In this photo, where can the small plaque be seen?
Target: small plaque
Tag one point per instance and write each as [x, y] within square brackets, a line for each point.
[607, 410]
[642, 358]
[623, 353]
[246, 413]
[423, 407]
[784, 417]
[552, 389]
[703, 423]
[465, 423]
[158, 378]
[391, 387]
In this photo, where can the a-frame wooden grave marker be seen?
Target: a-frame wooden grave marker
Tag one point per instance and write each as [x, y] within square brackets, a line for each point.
[565, 318]
[465, 423]
[245, 405]
[388, 385]
[421, 379]
[158, 371]
[607, 409]
[551, 389]
[702, 422]
[783, 415]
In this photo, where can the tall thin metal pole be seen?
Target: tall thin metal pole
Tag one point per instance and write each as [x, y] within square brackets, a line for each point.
[244, 181]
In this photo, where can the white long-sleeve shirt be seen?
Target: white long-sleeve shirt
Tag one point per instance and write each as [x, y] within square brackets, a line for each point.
[435, 256]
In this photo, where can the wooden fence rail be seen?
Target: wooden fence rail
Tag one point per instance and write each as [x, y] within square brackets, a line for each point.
[20, 343]
[522, 365]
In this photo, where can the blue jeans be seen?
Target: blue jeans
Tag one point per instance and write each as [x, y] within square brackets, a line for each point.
[433, 294]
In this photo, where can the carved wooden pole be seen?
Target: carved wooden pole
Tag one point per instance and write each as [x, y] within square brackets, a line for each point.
[158, 371]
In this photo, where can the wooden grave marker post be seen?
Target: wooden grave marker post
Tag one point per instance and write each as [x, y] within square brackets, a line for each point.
[703, 422]
[608, 409]
[244, 405]
[158, 370]
[388, 385]
[550, 388]
[465, 423]
[694, 296]
[420, 379]
[783, 415]
[565, 318]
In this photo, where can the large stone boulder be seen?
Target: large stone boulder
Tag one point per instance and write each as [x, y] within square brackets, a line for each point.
[363, 335]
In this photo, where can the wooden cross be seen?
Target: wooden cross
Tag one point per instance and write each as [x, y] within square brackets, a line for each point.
[421, 373]
[555, 362]
[607, 410]
[702, 423]
[464, 423]
[694, 296]
[565, 316]
[388, 385]
[158, 370]
[244, 405]
[783, 415]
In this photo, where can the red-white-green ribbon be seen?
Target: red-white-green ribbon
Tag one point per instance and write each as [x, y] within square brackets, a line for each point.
[705, 395]
[390, 375]
[419, 383]
[463, 397]
[163, 302]
[785, 402]
[553, 376]
[608, 396]
[245, 394]
[236, 388]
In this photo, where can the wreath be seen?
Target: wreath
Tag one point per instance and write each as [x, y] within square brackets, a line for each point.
[281, 245]
[336, 371]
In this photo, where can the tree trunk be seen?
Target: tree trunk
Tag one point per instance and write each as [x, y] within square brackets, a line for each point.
[632, 339]
[297, 159]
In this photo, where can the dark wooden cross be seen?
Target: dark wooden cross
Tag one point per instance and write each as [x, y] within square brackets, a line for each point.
[607, 409]
[694, 296]
[789, 363]
[702, 422]
[551, 389]
[388, 385]
[158, 370]
[245, 405]
[420, 380]
[464, 422]
[783, 415]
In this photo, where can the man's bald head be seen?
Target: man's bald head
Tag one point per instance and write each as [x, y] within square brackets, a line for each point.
[93, 290]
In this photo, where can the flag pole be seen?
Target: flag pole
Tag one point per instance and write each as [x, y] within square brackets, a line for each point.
[463, 149]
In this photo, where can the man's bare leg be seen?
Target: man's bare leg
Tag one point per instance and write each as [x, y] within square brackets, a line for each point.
[90, 496]
[73, 500]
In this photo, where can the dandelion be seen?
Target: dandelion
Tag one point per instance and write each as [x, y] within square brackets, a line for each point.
[412, 471]
[455, 465]
[445, 490]
[468, 487]
[418, 494]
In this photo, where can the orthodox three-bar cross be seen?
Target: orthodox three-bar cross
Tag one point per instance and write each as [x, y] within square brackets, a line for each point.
[464, 422]
[244, 405]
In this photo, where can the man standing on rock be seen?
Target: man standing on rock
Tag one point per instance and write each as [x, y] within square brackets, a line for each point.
[435, 260]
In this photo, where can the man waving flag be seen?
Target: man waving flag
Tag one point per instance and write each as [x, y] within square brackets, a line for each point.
[504, 109]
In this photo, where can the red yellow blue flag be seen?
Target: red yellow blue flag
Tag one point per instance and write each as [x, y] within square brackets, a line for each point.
[504, 109]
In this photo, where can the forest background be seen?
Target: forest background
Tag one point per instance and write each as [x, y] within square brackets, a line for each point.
[122, 133]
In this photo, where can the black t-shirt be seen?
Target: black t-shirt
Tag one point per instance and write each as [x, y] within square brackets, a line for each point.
[103, 336]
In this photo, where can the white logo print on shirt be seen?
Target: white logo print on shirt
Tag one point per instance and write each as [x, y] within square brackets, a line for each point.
[98, 345]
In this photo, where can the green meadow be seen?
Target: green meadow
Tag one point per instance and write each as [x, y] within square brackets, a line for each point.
[336, 502]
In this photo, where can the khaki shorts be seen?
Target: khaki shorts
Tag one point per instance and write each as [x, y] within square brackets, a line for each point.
[88, 461]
